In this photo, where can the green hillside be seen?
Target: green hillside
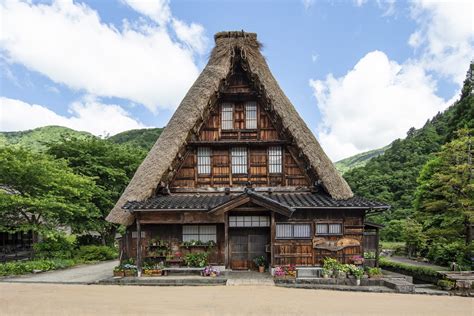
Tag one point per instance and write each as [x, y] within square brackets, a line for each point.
[358, 160]
[143, 138]
[38, 138]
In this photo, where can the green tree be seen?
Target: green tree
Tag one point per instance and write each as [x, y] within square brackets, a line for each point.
[445, 195]
[41, 194]
[110, 165]
[414, 238]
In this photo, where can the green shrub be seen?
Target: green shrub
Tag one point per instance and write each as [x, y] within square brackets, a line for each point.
[56, 245]
[23, 267]
[198, 259]
[374, 272]
[444, 253]
[96, 253]
[426, 274]
[446, 284]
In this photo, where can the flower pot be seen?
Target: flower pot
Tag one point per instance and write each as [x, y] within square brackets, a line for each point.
[261, 269]
[357, 282]
[119, 274]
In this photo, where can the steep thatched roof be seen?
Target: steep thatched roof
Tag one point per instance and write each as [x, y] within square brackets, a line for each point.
[195, 107]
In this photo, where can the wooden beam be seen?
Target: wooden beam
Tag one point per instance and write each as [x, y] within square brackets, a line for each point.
[272, 240]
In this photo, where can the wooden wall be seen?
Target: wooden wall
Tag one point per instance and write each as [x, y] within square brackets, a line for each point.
[171, 233]
[301, 251]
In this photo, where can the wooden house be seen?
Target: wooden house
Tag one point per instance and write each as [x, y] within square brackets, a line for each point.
[237, 166]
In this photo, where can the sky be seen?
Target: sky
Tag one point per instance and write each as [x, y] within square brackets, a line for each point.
[360, 73]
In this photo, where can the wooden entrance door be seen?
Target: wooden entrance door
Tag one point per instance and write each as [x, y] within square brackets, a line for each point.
[245, 245]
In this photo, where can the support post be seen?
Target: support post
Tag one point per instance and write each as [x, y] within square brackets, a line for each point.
[139, 246]
[272, 240]
[377, 247]
[226, 240]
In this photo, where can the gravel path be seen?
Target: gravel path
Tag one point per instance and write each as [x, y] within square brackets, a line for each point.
[83, 274]
[59, 299]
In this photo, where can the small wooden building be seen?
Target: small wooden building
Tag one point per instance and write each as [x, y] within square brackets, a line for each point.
[238, 167]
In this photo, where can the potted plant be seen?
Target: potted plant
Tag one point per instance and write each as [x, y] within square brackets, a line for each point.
[210, 271]
[326, 273]
[358, 273]
[374, 273]
[118, 271]
[260, 262]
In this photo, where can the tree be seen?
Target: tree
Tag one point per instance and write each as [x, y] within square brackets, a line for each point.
[413, 236]
[111, 166]
[445, 196]
[41, 194]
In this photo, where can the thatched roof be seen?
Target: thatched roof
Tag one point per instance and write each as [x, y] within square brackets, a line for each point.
[194, 109]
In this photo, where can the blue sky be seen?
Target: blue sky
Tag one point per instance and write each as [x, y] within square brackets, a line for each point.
[359, 72]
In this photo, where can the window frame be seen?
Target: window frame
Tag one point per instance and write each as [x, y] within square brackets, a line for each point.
[272, 163]
[208, 167]
[199, 234]
[327, 229]
[310, 235]
[240, 165]
[231, 106]
[247, 105]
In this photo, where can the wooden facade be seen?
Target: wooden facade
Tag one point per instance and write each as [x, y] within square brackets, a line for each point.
[243, 156]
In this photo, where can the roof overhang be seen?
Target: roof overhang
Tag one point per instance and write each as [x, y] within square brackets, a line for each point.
[252, 196]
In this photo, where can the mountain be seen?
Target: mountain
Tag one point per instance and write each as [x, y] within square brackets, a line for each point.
[358, 160]
[392, 177]
[143, 138]
[38, 138]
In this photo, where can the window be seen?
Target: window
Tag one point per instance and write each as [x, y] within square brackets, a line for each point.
[227, 116]
[251, 115]
[289, 231]
[249, 221]
[204, 160]
[274, 159]
[202, 233]
[328, 229]
[239, 160]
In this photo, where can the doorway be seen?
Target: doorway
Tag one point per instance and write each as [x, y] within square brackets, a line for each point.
[245, 244]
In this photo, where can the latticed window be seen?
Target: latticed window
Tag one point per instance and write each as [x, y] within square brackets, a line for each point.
[288, 231]
[249, 221]
[328, 229]
[275, 159]
[251, 115]
[239, 160]
[204, 160]
[227, 116]
[202, 233]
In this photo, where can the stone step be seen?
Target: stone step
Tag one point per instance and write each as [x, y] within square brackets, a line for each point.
[246, 282]
[309, 272]
[400, 285]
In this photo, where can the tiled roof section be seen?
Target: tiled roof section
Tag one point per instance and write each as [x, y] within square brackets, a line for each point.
[204, 202]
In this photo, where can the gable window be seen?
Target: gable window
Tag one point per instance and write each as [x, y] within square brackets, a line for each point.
[275, 159]
[204, 160]
[293, 231]
[239, 160]
[202, 233]
[227, 116]
[251, 115]
[328, 229]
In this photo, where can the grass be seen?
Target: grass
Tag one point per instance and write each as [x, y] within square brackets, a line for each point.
[392, 245]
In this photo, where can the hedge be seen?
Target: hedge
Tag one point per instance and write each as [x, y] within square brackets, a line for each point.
[425, 274]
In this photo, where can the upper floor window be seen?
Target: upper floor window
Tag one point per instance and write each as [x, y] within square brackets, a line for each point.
[328, 229]
[239, 160]
[251, 115]
[275, 159]
[227, 116]
[204, 160]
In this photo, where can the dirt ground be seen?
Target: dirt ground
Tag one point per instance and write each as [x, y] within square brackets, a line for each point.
[55, 299]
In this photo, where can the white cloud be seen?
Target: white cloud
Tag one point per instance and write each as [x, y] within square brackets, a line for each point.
[157, 10]
[444, 36]
[314, 57]
[69, 43]
[373, 104]
[192, 35]
[86, 115]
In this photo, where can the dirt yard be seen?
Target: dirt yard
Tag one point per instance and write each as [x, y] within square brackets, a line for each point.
[52, 299]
